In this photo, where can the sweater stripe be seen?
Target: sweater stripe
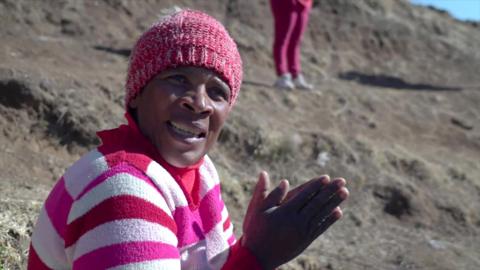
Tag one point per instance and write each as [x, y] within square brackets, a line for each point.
[34, 261]
[209, 177]
[218, 253]
[164, 181]
[125, 253]
[206, 183]
[122, 168]
[226, 224]
[82, 172]
[117, 208]
[195, 224]
[122, 231]
[189, 225]
[231, 241]
[119, 184]
[164, 264]
[210, 209]
[229, 232]
[58, 213]
[228, 227]
[47, 242]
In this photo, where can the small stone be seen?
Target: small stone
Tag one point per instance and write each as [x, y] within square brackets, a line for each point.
[436, 244]
[323, 158]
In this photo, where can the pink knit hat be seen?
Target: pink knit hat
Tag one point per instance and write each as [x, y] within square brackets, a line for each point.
[184, 38]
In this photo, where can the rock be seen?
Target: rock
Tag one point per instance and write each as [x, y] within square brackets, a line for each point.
[461, 123]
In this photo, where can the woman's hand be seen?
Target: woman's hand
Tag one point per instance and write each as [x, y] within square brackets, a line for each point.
[279, 225]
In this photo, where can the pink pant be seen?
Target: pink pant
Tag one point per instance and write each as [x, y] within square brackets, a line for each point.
[291, 20]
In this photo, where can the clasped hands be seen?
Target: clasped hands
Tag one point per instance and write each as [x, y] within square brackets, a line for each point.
[282, 223]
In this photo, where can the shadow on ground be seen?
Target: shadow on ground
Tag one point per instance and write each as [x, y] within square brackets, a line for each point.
[253, 83]
[121, 52]
[392, 82]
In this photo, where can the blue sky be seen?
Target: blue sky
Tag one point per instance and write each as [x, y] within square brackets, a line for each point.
[461, 9]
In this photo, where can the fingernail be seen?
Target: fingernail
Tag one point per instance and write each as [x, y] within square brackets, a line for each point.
[343, 193]
[325, 179]
[340, 182]
[339, 213]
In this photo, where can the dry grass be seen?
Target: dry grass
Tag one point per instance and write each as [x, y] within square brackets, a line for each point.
[16, 221]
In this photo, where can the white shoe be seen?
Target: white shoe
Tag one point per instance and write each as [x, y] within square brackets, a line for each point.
[284, 82]
[300, 83]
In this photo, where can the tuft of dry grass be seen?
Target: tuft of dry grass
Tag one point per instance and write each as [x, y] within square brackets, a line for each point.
[17, 218]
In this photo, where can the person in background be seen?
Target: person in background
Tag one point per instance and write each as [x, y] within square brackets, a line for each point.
[149, 196]
[290, 22]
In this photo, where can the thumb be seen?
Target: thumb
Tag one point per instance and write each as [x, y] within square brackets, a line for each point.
[261, 188]
[259, 193]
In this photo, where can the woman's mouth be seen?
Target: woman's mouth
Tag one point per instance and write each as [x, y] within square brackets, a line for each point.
[186, 132]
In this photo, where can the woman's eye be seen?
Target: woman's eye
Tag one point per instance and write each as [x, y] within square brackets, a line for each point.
[218, 93]
[178, 79]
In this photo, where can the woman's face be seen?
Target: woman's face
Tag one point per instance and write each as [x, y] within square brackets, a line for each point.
[182, 111]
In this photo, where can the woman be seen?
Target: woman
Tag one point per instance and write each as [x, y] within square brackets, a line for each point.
[149, 196]
[290, 22]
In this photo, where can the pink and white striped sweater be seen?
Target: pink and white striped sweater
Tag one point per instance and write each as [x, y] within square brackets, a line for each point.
[123, 207]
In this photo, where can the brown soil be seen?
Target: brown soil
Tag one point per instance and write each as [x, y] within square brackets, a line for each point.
[395, 110]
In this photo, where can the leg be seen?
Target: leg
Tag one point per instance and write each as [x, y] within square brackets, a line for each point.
[284, 22]
[293, 49]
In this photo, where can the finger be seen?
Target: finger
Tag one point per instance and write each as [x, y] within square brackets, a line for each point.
[259, 193]
[294, 192]
[262, 187]
[330, 206]
[308, 191]
[321, 227]
[323, 196]
[277, 195]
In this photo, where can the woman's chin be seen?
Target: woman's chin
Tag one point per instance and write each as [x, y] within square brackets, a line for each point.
[182, 160]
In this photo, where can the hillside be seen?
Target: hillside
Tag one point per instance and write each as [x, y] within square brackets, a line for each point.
[395, 111]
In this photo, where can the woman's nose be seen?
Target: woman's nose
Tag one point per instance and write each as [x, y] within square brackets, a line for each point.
[198, 101]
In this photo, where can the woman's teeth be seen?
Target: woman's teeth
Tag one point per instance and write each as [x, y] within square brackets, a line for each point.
[184, 130]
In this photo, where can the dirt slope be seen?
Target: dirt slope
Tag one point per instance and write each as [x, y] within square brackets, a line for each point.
[395, 111]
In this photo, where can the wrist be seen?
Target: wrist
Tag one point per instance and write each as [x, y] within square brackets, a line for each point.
[261, 258]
